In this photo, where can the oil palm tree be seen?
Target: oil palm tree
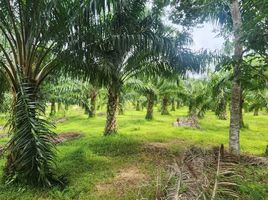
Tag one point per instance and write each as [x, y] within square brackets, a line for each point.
[29, 30]
[147, 88]
[34, 35]
[132, 57]
[257, 100]
[220, 84]
[196, 95]
[228, 14]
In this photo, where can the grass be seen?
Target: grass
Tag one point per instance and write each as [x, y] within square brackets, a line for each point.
[126, 165]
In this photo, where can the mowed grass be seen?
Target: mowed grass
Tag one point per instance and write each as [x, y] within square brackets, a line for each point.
[126, 165]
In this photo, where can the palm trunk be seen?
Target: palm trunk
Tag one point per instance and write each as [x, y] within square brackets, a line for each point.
[178, 105]
[150, 107]
[235, 119]
[138, 107]
[192, 112]
[121, 106]
[53, 108]
[93, 98]
[256, 112]
[111, 123]
[66, 107]
[165, 106]
[59, 106]
[222, 114]
[173, 107]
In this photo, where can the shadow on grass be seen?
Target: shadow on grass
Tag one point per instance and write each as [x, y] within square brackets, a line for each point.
[115, 145]
[75, 163]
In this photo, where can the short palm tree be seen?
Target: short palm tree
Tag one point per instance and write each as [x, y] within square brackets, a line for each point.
[257, 100]
[33, 35]
[220, 84]
[196, 95]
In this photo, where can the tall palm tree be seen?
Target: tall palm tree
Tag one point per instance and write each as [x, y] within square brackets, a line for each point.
[228, 14]
[132, 57]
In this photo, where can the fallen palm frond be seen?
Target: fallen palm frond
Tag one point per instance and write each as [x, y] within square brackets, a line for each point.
[202, 174]
[254, 160]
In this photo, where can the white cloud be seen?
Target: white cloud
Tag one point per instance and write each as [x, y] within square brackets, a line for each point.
[205, 38]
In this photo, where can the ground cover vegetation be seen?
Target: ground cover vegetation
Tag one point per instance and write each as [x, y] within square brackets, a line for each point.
[98, 100]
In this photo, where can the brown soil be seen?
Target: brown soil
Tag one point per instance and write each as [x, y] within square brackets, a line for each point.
[162, 147]
[125, 179]
[63, 137]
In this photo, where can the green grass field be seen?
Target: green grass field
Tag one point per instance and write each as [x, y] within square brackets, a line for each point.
[126, 165]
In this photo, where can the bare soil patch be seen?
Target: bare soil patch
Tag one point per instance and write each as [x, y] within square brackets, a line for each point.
[162, 147]
[63, 137]
[125, 179]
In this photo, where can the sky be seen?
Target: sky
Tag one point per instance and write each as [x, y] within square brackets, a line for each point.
[204, 37]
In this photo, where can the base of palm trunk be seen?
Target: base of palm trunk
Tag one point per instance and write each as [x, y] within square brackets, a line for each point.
[164, 112]
[111, 123]
[110, 132]
[92, 110]
[111, 127]
[256, 112]
[173, 107]
[165, 106]
[150, 106]
[53, 109]
[149, 116]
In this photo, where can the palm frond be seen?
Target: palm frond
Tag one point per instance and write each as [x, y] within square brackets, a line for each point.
[31, 152]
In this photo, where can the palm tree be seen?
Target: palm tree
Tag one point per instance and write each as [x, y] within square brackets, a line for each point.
[33, 37]
[29, 30]
[220, 85]
[147, 88]
[257, 100]
[123, 62]
[195, 94]
[228, 14]
[167, 89]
